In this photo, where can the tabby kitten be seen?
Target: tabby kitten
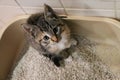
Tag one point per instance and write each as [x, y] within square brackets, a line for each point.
[50, 32]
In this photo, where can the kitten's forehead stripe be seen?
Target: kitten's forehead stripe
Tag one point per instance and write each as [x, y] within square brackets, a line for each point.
[43, 24]
[48, 26]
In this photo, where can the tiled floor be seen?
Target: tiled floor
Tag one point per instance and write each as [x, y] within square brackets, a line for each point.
[8, 3]
[105, 8]
[9, 12]
[88, 4]
[39, 3]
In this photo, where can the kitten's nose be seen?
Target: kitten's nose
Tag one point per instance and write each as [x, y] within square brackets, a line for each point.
[54, 38]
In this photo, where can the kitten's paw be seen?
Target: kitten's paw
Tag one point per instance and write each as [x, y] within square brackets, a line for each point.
[57, 60]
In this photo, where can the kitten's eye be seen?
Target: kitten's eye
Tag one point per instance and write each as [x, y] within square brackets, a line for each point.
[45, 37]
[55, 30]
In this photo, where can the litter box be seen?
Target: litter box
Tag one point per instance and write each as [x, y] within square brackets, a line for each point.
[104, 32]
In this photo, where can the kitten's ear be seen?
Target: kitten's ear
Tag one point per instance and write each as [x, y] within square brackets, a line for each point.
[27, 28]
[49, 12]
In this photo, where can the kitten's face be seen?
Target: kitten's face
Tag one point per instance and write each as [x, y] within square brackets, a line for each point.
[46, 28]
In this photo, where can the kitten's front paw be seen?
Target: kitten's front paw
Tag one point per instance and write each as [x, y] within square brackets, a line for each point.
[58, 61]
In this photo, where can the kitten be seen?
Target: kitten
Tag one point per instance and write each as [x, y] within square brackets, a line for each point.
[50, 32]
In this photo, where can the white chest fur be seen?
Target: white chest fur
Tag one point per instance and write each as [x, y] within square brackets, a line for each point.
[62, 44]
